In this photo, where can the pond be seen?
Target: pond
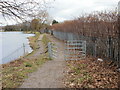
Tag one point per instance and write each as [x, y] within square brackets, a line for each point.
[13, 45]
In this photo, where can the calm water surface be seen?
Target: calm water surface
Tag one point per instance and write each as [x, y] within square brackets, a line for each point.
[11, 45]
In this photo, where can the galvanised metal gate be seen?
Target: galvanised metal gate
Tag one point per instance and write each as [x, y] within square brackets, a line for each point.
[75, 50]
[52, 50]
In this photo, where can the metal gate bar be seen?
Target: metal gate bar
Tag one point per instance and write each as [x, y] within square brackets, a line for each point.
[75, 50]
[52, 50]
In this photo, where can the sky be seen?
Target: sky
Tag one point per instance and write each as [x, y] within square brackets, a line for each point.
[62, 10]
[69, 9]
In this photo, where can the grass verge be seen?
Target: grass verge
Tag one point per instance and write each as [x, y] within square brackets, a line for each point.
[28, 32]
[33, 43]
[45, 40]
[33, 40]
[14, 73]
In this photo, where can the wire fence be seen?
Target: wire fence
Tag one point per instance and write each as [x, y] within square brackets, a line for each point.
[18, 53]
[96, 46]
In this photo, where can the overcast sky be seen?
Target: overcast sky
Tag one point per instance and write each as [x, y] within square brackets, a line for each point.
[69, 9]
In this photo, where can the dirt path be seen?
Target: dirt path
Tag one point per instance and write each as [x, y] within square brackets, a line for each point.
[50, 75]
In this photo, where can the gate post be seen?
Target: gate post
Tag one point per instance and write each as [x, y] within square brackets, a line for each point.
[119, 34]
[50, 49]
[24, 48]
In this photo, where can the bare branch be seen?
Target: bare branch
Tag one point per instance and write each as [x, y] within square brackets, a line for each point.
[20, 9]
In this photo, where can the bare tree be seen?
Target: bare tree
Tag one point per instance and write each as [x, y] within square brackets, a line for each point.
[17, 9]
[44, 17]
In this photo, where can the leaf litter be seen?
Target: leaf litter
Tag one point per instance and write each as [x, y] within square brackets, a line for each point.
[91, 73]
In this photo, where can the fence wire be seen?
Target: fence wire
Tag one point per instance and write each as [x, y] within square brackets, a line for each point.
[95, 46]
[19, 52]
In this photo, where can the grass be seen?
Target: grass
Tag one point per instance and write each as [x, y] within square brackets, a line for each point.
[33, 40]
[14, 73]
[45, 40]
[28, 32]
[33, 43]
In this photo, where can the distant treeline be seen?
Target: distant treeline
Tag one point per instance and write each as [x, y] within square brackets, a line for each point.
[25, 26]
[33, 25]
[11, 28]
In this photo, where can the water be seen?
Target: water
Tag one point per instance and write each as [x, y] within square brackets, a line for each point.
[11, 45]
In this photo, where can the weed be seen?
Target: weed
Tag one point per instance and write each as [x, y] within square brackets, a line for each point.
[45, 40]
[82, 65]
[76, 70]
[27, 64]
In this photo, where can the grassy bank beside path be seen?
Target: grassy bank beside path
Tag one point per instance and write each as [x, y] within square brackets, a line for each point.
[14, 73]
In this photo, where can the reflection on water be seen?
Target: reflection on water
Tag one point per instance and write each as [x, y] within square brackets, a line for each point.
[11, 45]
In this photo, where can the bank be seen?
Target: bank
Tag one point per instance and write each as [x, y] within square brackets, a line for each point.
[14, 73]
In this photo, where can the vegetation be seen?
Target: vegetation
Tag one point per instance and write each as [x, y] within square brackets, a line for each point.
[16, 71]
[21, 10]
[99, 29]
[33, 41]
[40, 21]
[11, 28]
[54, 22]
[90, 73]
[45, 40]
[97, 24]
[35, 25]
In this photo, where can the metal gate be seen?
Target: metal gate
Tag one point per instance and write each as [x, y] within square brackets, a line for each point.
[52, 50]
[75, 50]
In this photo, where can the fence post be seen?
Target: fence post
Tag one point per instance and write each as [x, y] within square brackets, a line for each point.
[85, 48]
[49, 49]
[24, 48]
[109, 47]
[119, 34]
[95, 49]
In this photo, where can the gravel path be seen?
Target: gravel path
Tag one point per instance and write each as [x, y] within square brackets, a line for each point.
[50, 75]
